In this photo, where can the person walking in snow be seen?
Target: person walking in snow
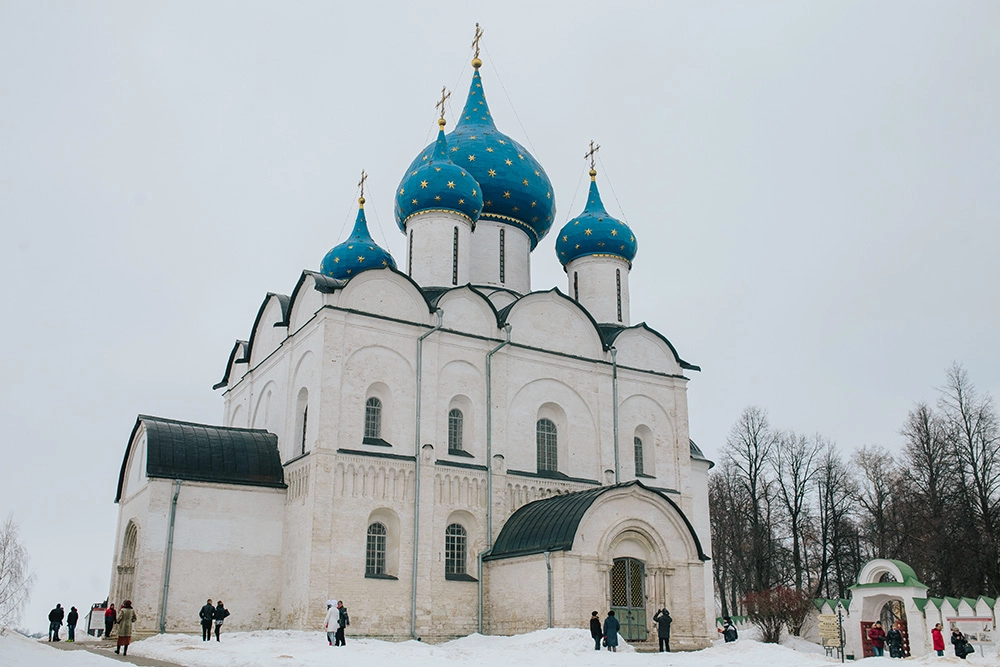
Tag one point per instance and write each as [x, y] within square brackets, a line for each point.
[71, 619]
[219, 616]
[728, 630]
[55, 621]
[663, 621]
[595, 630]
[206, 614]
[343, 620]
[611, 628]
[331, 619]
[877, 636]
[894, 638]
[110, 615]
[126, 617]
[937, 639]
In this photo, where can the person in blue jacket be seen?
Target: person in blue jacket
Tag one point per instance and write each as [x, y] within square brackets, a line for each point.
[611, 628]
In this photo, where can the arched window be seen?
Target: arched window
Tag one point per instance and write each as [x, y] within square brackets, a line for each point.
[455, 420]
[375, 550]
[638, 456]
[127, 562]
[454, 550]
[373, 418]
[545, 438]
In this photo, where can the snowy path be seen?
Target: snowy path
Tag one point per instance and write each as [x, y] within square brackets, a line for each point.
[546, 648]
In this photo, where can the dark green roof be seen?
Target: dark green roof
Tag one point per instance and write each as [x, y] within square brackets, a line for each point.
[204, 453]
[551, 524]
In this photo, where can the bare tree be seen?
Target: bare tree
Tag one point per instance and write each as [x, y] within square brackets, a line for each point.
[749, 448]
[839, 544]
[795, 466]
[875, 493]
[16, 578]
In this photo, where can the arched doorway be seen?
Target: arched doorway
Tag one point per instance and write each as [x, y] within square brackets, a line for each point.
[628, 597]
[891, 612]
[126, 563]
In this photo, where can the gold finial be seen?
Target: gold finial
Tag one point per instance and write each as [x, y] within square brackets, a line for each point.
[476, 62]
[591, 154]
[361, 184]
[440, 105]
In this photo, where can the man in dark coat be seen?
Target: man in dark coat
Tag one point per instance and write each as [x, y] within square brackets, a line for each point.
[728, 630]
[206, 615]
[71, 619]
[343, 620]
[663, 621]
[894, 638]
[611, 628]
[595, 630]
[55, 621]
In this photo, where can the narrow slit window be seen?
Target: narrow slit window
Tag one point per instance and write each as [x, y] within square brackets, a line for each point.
[305, 419]
[618, 279]
[576, 285]
[409, 255]
[503, 271]
[454, 259]
[639, 468]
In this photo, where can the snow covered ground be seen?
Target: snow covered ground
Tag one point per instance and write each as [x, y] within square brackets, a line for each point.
[544, 648]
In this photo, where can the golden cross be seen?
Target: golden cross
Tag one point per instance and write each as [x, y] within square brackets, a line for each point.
[475, 42]
[591, 153]
[361, 184]
[444, 98]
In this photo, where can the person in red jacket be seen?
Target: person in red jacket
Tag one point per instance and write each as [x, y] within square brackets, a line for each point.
[938, 639]
[877, 636]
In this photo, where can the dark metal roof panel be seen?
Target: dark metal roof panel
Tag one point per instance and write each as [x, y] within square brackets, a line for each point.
[205, 453]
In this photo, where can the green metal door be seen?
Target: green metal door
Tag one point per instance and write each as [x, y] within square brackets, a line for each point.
[628, 597]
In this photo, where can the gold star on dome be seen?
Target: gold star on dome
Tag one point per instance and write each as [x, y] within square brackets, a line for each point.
[489, 203]
[506, 195]
[451, 184]
[463, 174]
[473, 136]
[525, 182]
[538, 173]
[565, 238]
[402, 191]
[479, 85]
[424, 157]
[350, 247]
[563, 253]
[472, 158]
[621, 247]
[472, 93]
[516, 209]
[502, 142]
[385, 262]
[473, 192]
[413, 173]
[631, 239]
[549, 195]
[576, 222]
[489, 149]
[361, 259]
[492, 172]
[509, 163]
[577, 246]
[461, 201]
[348, 272]
[414, 201]
[588, 232]
[437, 197]
[601, 244]
[535, 219]
[614, 232]
[533, 204]
[423, 184]
[466, 118]
[520, 156]
[437, 168]
[336, 260]
[454, 149]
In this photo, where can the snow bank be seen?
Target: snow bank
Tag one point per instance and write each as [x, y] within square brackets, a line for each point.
[16, 650]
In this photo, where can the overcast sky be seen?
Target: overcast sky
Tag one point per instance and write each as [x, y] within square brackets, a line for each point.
[814, 187]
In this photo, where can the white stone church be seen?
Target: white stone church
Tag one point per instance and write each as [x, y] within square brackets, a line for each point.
[436, 444]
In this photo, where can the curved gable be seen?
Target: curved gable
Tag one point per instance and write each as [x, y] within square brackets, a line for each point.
[307, 297]
[642, 347]
[468, 311]
[552, 321]
[269, 328]
[551, 524]
[385, 292]
[238, 355]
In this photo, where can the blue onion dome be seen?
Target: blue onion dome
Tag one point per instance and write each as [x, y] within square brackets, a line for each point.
[438, 184]
[358, 253]
[594, 232]
[515, 188]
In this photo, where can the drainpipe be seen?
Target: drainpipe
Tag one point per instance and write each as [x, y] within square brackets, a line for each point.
[614, 393]
[416, 480]
[170, 552]
[489, 464]
[548, 567]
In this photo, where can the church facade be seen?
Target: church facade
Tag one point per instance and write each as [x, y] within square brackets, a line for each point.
[437, 445]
